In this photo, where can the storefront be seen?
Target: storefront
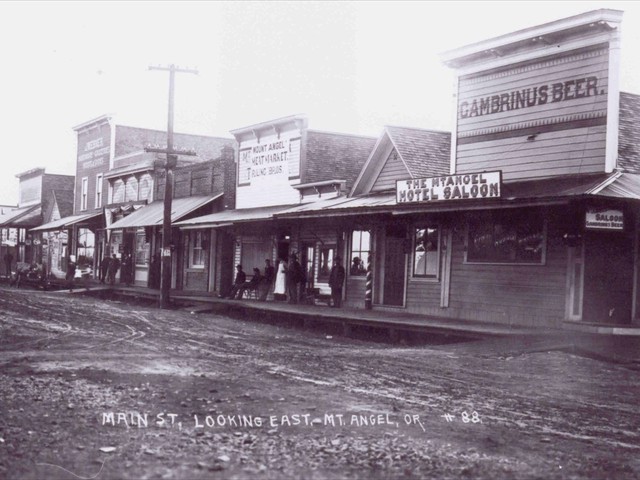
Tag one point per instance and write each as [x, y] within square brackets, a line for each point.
[139, 235]
[282, 164]
[533, 217]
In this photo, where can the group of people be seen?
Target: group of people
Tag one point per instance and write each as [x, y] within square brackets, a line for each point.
[109, 268]
[290, 280]
[261, 284]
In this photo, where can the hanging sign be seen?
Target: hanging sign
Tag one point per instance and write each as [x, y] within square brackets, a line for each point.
[449, 187]
[598, 219]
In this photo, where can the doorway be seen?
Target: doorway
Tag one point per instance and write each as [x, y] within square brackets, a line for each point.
[608, 278]
[394, 267]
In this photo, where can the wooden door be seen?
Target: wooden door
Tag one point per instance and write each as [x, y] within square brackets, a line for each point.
[394, 267]
[608, 278]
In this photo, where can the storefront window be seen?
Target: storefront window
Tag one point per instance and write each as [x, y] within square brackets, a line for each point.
[142, 249]
[426, 253]
[86, 247]
[504, 239]
[327, 254]
[360, 248]
[196, 252]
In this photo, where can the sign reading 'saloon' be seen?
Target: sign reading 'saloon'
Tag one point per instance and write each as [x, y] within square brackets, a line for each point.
[449, 187]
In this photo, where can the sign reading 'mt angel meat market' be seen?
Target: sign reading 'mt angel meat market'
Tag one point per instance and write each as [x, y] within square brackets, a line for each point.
[449, 187]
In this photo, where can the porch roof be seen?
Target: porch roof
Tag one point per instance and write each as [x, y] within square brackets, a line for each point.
[22, 217]
[229, 217]
[66, 222]
[521, 193]
[153, 214]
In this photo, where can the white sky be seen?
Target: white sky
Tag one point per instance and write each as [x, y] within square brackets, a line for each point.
[349, 66]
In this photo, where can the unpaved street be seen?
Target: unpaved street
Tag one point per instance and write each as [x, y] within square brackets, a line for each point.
[104, 389]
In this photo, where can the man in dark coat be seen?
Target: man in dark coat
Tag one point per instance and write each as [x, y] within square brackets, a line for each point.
[104, 268]
[294, 278]
[336, 280]
[241, 277]
[71, 272]
[114, 266]
[8, 259]
[267, 280]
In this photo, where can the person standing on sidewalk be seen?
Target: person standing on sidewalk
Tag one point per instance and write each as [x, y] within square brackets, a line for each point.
[294, 278]
[104, 268]
[114, 266]
[280, 289]
[267, 280]
[336, 280]
[8, 259]
[71, 272]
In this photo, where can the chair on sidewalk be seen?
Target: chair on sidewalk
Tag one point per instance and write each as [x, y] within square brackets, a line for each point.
[250, 293]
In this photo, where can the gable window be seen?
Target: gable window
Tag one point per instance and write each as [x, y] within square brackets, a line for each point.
[99, 190]
[503, 238]
[360, 249]
[83, 194]
[426, 251]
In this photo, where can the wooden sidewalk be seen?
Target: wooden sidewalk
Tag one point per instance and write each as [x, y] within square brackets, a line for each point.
[344, 318]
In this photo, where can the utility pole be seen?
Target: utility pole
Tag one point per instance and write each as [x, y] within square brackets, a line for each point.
[172, 160]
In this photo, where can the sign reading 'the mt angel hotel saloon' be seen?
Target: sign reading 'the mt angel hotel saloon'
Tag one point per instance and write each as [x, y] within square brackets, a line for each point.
[449, 187]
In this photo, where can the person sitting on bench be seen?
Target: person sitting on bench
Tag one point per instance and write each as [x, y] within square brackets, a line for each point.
[238, 283]
[251, 284]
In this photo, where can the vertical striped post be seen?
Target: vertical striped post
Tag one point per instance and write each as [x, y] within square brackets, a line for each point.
[368, 290]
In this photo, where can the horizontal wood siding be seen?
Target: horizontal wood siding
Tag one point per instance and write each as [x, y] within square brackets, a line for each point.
[571, 151]
[551, 138]
[513, 294]
[196, 281]
[423, 297]
[354, 295]
[394, 169]
[269, 188]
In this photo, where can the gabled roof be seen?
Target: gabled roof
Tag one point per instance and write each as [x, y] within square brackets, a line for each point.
[336, 155]
[425, 152]
[629, 133]
[64, 199]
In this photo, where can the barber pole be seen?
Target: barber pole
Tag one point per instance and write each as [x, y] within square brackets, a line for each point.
[368, 286]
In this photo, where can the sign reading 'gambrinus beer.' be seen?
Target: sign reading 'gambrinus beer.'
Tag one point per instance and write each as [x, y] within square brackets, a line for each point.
[449, 187]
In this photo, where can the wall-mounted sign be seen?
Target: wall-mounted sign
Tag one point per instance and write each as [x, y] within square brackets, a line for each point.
[598, 219]
[449, 187]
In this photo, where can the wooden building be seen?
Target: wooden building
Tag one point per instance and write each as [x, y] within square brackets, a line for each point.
[116, 177]
[527, 214]
[281, 164]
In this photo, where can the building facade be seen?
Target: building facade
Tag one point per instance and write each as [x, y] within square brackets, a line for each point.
[282, 164]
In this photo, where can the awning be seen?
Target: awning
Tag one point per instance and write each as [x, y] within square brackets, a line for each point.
[153, 214]
[24, 217]
[624, 185]
[556, 190]
[66, 222]
[228, 217]
[341, 205]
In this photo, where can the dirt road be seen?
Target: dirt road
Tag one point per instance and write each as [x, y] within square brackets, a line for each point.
[108, 390]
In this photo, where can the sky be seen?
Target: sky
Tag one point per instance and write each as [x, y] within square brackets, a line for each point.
[351, 67]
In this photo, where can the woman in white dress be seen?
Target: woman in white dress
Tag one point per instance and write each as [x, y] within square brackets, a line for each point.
[280, 288]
